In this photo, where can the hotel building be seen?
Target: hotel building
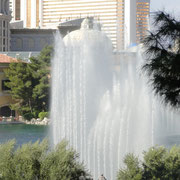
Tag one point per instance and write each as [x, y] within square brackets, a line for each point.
[124, 21]
[5, 18]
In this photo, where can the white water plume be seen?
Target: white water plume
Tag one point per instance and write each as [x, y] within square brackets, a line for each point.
[102, 113]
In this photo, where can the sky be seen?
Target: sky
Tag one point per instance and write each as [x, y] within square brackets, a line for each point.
[172, 6]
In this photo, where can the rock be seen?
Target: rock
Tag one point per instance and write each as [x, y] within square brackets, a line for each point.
[21, 118]
[38, 119]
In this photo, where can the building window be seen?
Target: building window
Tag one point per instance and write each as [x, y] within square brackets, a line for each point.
[4, 24]
[4, 41]
[7, 29]
[43, 42]
[4, 87]
[31, 44]
[19, 43]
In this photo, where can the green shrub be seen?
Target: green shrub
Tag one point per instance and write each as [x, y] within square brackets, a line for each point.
[37, 161]
[7, 168]
[35, 114]
[28, 116]
[61, 164]
[42, 115]
[132, 171]
[158, 163]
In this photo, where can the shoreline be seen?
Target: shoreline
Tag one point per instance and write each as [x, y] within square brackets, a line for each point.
[12, 122]
[33, 121]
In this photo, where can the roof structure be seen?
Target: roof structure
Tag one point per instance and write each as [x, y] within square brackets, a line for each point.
[74, 22]
[7, 59]
[22, 55]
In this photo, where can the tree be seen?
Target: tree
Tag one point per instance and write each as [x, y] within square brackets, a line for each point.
[29, 84]
[158, 163]
[61, 164]
[162, 48]
[38, 161]
[132, 171]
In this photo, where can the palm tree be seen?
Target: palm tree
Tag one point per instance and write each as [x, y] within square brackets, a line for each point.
[162, 49]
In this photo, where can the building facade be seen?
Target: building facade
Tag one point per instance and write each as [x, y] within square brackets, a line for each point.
[31, 39]
[142, 19]
[5, 17]
[5, 98]
[124, 21]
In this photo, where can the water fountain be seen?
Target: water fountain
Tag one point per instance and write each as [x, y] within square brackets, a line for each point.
[102, 113]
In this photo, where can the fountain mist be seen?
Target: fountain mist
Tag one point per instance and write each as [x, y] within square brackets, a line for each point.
[102, 113]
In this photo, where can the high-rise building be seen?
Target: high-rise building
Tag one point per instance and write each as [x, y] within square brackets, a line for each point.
[15, 7]
[124, 21]
[142, 19]
[5, 18]
[28, 11]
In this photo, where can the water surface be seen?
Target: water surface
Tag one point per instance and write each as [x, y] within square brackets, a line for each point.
[22, 133]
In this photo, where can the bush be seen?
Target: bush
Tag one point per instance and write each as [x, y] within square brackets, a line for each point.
[28, 116]
[37, 161]
[42, 115]
[61, 164]
[6, 161]
[132, 171]
[158, 163]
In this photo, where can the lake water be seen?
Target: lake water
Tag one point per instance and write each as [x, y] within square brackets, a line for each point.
[22, 133]
[31, 133]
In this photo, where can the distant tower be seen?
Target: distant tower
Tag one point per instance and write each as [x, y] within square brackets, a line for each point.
[15, 8]
[28, 11]
[142, 19]
[124, 21]
[5, 17]
[136, 17]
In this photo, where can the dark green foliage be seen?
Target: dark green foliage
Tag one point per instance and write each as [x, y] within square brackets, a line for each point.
[37, 161]
[28, 116]
[163, 58]
[158, 164]
[30, 84]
